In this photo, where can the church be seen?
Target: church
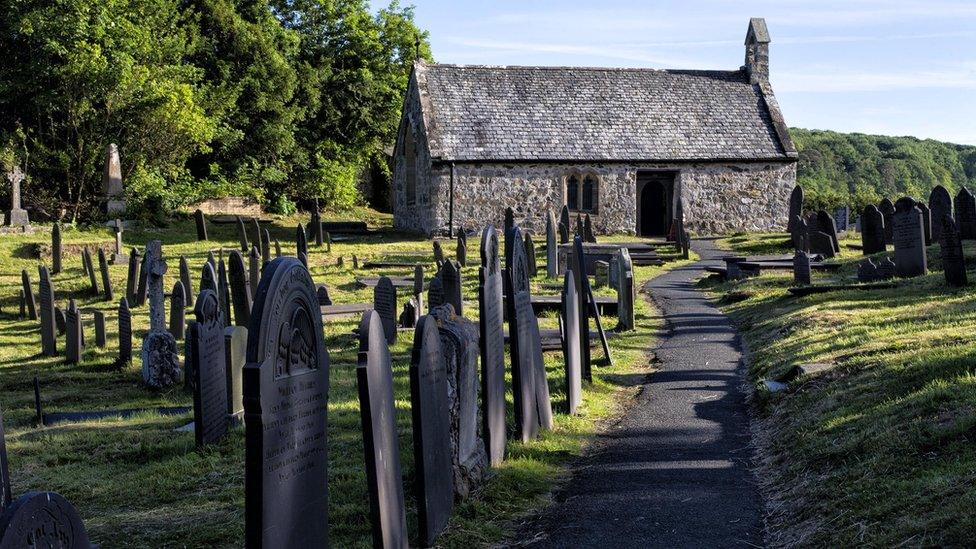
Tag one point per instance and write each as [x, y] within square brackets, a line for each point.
[633, 148]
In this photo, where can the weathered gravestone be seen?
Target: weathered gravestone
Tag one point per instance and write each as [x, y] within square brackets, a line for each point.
[965, 205]
[177, 311]
[49, 338]
[301, 241]
[821, 243]
[826, 223]
[492, 346]
[42, 520]
[438, 252]
[926, 222]
[940, 205]
[56, 249]
[112, 181]
[450, 276]
[73, 346]
[626, 293]
[89, 265]
[99, 321]
[582, 289]
[223, 289]
[160, 363]
[552, 252]
[953, 261]
[235, 354]
[206, 337]
[435, 292]
[107, 294]
[265, 247]
[530, 255]
[796, 208]
[571, 350]
[240, 290]
[187, 280]
[125, 334]
[286, 388]
[461, 251]
[374, 377]
[887, 209]
[799, 234]
[201, 225]
[132, 277]
[588, 235]
[909, 241]
[801, 268]
[118, 256]
[872, 231]
[242, 235]
[29, 298]
[254, 270]
[842, 218]
[385, 305]
[429, 407]
[459, 349]
[328, 242]
[16, 216]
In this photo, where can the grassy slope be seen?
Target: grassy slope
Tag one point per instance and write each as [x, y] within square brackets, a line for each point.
[879, 450]
[138, 483]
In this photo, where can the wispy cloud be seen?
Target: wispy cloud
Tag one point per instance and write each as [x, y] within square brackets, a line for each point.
[614, 52]
[823, 80]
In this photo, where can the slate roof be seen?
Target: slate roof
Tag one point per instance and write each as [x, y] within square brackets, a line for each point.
[481, 113]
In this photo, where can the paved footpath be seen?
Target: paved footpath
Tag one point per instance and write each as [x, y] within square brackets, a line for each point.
[674, 471]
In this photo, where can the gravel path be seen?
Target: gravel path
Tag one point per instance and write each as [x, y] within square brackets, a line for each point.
[674, 472]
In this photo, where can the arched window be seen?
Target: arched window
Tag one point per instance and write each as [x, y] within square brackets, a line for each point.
[410, 165]
[572, 192]
[591, 192]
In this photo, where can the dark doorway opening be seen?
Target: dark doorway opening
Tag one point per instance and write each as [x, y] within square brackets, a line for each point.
[655, 191]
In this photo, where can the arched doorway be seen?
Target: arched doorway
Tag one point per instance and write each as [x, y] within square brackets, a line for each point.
[654, 203]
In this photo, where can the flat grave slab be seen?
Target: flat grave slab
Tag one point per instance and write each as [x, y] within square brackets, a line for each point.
[398, 282]
[607, 305]
[65, 417]
[825, 288]
[345, 310]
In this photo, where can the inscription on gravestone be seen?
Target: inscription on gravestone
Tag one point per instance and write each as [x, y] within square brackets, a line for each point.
[206, 336]
[909, 240]
[42, 520]
[521, 338]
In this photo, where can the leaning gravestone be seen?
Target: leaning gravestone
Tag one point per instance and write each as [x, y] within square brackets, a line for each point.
[29, 298]
[800, 234]
[385, 305]
[492, 344]
[953, 261]
[909, 241]
[235, 354]
[571, 350]
[801, 268]
[49, 338]
[796, 207]
[201, 225]
[552, 252]
[826, 223]
[374, 377]
[965, 205]
[240, 290]
[132, 278]
[89, 265]
[450, 276]
[821, 243]
[286, 388]
[576, 260]
[56, 249]
[887, 209]
[107, 294]
[16, 215]
[73, 346]
[125, 333]
[872, 231]
[177, 311]
[160, 363]
[206, 337]
[434, 484]
[626, 292]
[459, 348]
[940, 205]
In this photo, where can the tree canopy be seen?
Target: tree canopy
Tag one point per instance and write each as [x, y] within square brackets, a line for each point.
[281, 100]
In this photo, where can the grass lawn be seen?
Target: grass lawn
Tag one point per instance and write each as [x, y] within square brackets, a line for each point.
[139, 483]
[879, 449]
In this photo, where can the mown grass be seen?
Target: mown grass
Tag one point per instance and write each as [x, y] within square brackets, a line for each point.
[139, 483]
[879, 449]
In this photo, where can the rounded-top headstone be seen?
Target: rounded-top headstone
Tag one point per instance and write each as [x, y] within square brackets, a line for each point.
[42, 519]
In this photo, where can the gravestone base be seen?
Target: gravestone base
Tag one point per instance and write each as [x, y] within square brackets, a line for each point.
[160, 363]
[17, 218]
[115, 207]
[118, 259]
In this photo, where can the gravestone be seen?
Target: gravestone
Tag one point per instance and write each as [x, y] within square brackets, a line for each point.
[132, 278]
[926, 222]
[286, 387]
[73, 346]
[328, 242]
[459, 349]
[112, 181]
[492, 347]
[177, 311]
[187, 280]
[301, 241]
[821, 243]
[564, 224]
[317, 223]
[438, 252]
[418, 288]
[588, 235]
[322, 295]
[580, 230]
[100, 336]
[408, 317]
[801, 268]
[826, 223]
[909, 241]
[160, 363]
[125, 333]
[208, 279]
[42, 520]
[385, 305]
[872, 231]
[240, 289]
[143, 287]
[886, 269]
[530, 255]
[965, 206]
[258, 236]
[29, 298]
[5, 493]
[887, 209]
[461, 251]
[254, 271]
[583, 290]
[201, 225]
[59, 321]
[107, 294]
[434, 485]
[953, 261]
[571, 350]
[435, 292]
[374, 377]
[16, 216]
[799, 234]
[277, 246]
[56, 250]
[509, 225]
[235, 353]
[223, 290]
[626, 293]
[89, 265]
[265, 247]
[796, 208]
[242, 235]
[552, 252]
[842, 218]
[867, 271]
[940, 205]
[450, 276]
[49, 338]
[355, 262]
[206, 337]
[118, 256]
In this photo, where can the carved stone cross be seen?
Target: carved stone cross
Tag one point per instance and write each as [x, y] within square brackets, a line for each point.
[156, 268]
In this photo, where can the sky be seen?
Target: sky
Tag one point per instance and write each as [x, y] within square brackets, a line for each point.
[890, 67]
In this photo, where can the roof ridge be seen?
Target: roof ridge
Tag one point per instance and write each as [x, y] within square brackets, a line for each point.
[584, 68]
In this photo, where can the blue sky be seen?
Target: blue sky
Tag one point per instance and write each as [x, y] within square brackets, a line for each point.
[893, 67]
